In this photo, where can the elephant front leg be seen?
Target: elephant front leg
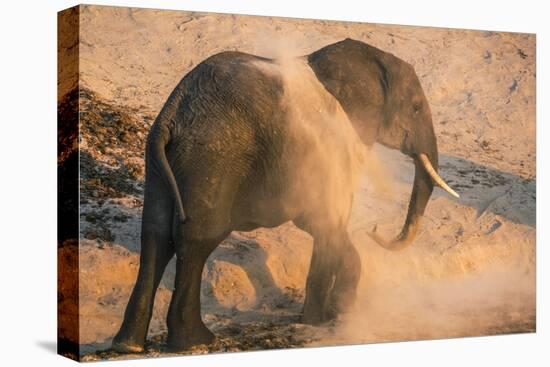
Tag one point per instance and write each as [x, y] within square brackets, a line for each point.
[320, 282]
[348, 272]
[332, 280]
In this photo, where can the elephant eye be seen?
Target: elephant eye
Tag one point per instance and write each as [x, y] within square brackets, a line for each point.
[416, 109]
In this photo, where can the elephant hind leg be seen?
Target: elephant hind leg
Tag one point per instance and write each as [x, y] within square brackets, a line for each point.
[133, 331]
[185, 325]
[156, 252]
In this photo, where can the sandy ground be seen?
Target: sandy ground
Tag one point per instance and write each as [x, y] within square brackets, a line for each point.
[471, 270]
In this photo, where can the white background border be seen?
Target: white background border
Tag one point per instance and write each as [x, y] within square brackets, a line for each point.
[28, 181]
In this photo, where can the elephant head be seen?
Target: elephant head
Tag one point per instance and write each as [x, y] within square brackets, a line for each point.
[384, 100]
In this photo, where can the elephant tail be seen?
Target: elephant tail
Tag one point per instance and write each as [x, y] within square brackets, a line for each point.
[158, 138]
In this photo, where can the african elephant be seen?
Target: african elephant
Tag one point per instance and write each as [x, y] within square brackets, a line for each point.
[221, 156]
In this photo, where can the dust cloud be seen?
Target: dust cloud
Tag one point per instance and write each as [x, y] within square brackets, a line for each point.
[418, 295]
[326, 153]
[440, 287]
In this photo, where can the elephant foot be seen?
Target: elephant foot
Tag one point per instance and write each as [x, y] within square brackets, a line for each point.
[316, 321]
[195, 336]
[318, 316]
[122, 347]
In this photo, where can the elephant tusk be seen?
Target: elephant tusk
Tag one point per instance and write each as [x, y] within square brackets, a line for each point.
[435, 177]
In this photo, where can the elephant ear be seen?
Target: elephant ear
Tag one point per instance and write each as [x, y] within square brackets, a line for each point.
[359, 77]
[393, 74]
[384, 77]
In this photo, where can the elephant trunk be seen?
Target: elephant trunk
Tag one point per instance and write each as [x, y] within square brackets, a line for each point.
[425, 177]
[421, 192]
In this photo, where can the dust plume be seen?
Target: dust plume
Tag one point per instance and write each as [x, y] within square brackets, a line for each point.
[398, 300]
[323, 143]
[439, 287]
